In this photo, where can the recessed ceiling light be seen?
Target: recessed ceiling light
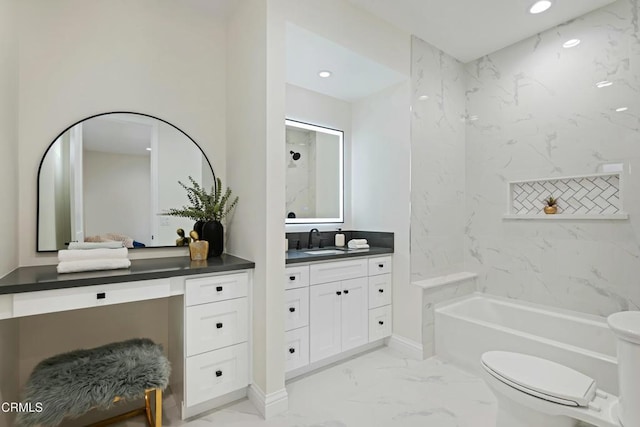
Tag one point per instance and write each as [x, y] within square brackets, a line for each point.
[540, 6]
[603, 83]
[473, 118]
[324, 74]
[423, 97]
[571, 43]
[148, 148]
[621, 109]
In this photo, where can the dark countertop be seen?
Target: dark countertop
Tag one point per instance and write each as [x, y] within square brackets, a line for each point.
[297, 256]
[45, 277]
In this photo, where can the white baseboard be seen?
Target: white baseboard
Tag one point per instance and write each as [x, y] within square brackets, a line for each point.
[409, 347]
[268, 404]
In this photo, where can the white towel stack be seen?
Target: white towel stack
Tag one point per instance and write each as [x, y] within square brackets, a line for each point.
[358, 244]
[89, 259]
[95, 245]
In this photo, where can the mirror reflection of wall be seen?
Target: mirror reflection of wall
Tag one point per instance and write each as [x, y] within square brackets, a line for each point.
[111, 175]
[314, 175]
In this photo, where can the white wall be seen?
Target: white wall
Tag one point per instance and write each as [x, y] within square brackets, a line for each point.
[327, 174]
[256, 173]
[312, 107]
[79, 58]
[8, 133]
[541, 115]
[109, 209]
[8, 190]
[380, 201]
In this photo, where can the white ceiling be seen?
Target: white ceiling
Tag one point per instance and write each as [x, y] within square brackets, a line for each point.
[469, 29]
[354, 76]
[465, 29]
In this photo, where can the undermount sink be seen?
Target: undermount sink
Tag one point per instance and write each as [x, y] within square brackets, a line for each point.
[325, 252]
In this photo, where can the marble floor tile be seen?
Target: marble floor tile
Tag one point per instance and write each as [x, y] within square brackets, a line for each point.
[377, 389]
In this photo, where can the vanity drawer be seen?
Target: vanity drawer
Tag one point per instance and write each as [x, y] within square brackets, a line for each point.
[296, 277]
[379, 323]
[215, 288]
[327, 272]
[30, 303]
[215, 373]
[379, 265]
[296, 351]
[216, 325]
[296, 308]
[379, 290]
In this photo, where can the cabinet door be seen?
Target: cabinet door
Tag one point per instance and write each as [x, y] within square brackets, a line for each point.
[324, 321]
[355, 313]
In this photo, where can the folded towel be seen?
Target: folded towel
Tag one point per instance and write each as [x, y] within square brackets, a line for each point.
[358, 241]
[78, 255]
[358, 244]
[95, 245]
[92, 265]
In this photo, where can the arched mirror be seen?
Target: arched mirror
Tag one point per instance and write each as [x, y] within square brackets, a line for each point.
[108, 177]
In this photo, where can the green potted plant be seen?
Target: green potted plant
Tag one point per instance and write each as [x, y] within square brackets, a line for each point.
[550, 205]
[208, 209]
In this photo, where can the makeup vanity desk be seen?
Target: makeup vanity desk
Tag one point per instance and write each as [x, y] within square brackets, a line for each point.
[209, 315]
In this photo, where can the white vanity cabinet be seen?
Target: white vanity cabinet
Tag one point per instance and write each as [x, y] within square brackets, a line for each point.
[296, 321]
[339, 317]
[215, 360]
[380, 315]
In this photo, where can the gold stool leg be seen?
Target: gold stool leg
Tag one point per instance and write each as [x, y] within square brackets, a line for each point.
[153, 419]
[158, 394]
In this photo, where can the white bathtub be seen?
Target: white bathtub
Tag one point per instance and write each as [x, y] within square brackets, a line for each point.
[467, 327]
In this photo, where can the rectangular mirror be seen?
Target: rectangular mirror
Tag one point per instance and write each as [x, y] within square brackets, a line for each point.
[315, 174]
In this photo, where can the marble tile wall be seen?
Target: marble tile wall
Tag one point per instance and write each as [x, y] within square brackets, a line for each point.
[540, 115]
[437, 162]
[432, 297]
[301, 186]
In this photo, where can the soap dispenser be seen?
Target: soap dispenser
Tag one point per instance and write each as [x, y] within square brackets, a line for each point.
[339, 238]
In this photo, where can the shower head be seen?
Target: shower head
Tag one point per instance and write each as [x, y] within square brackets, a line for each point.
[294, 155]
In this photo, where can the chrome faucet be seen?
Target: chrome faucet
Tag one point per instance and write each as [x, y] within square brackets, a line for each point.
[311, 236]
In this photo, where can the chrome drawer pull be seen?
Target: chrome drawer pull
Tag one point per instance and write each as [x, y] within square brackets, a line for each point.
[381, 290]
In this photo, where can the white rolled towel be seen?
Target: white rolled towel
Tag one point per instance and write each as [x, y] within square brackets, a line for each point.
[92, 265]
[78, 255]
[95, 245]
[358, 244]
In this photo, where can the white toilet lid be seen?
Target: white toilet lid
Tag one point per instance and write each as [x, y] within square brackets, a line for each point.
[540, 377]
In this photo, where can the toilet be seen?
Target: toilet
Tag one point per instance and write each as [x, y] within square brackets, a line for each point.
[535, 392]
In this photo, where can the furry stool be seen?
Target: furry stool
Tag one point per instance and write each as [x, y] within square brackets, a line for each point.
[70, 384]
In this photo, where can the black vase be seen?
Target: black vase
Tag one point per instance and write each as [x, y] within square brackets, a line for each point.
[197, 227]
[213, 232]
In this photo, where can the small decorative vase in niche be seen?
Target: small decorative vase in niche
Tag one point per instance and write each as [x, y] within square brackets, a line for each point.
[199, 251]
[213, 232]
[550, 210]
